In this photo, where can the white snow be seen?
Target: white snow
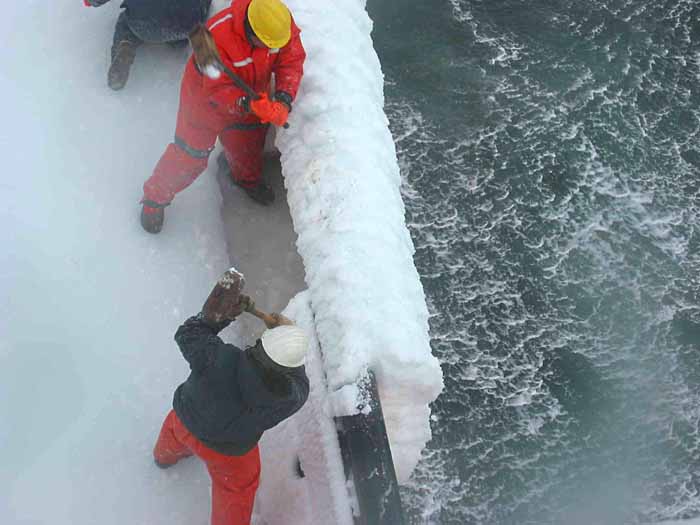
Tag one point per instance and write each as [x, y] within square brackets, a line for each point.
[87, 361]
[346, 401]
[90, 302]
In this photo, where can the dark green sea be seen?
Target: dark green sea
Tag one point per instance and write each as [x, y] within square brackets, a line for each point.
[550, 152]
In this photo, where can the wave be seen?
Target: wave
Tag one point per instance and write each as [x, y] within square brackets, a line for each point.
[553, 202]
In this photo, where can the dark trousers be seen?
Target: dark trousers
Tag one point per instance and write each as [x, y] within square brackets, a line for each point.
[123, 33]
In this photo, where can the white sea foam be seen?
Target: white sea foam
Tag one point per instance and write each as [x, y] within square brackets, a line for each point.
[605, 222]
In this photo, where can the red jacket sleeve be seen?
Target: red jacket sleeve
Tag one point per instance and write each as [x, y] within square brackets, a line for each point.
[289, 67]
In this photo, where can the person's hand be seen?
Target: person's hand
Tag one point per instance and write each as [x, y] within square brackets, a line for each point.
[268, 110]
[245, 304]
[225, 302]
[278, 320]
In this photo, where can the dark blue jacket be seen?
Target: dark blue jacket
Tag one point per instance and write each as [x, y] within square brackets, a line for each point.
[188, 12]
[224, 402]
[163, 20]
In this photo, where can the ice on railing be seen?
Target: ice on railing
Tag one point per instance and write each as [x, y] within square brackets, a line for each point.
[343, 182]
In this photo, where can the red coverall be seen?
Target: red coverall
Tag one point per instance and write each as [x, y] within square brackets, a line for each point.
[209, 108]
[234, 478]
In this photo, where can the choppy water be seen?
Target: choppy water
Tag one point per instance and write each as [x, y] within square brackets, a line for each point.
[551, 157]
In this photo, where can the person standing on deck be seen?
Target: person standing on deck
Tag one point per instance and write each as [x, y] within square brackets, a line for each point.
[229, 399]
[255, 39]
[152, 21]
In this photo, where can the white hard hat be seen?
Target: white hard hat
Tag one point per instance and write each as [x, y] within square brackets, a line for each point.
[286, 345]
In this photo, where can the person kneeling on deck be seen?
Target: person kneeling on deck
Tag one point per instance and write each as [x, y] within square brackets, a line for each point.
[229, 399]
[152, 21]
[254, 38]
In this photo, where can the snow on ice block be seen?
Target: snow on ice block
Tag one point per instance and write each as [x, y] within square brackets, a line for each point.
[307, 439]
[341, 172]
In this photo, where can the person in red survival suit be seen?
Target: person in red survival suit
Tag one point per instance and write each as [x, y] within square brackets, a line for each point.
[256, 39]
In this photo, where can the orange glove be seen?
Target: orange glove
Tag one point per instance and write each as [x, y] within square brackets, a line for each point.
[270, 110]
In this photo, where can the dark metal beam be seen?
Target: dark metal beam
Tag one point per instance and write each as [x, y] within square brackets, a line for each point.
[368, 461]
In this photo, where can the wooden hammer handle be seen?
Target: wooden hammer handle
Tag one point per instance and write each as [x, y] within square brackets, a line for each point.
[267, 318]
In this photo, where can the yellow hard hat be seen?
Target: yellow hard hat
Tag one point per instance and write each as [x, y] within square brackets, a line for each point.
[271, 22]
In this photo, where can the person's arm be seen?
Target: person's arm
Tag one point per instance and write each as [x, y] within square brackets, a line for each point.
[198, 341]
[289, 69]
[197, 337]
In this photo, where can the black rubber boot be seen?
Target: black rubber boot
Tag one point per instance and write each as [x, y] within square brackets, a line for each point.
[152, 217]
[123, 55]
[262, 193]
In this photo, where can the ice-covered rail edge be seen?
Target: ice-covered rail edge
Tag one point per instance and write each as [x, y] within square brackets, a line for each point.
[341, 172]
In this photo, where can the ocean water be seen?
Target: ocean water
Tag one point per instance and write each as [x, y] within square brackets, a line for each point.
[550, 152]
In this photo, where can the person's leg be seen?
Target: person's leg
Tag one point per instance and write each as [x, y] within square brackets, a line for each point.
[169, 449]
[178, 167]
[235, 479]
[244, 152]
[186, 157]
[234, 483]
[243, 157]
[123, 53]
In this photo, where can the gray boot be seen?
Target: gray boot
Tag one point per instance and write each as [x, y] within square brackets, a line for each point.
[123, 55]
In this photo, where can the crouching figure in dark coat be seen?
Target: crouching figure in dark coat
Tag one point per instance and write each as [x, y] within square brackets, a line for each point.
[229, 399]
[151, 21]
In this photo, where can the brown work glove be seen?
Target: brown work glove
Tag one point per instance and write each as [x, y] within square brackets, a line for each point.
[278, 320]
[222, 306]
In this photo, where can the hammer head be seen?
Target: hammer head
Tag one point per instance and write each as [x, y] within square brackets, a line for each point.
[206, 54]
[232, 279]
[223, 301]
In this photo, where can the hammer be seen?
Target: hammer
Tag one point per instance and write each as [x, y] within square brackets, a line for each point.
[225, 301]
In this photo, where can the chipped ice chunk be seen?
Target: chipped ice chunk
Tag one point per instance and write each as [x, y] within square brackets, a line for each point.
[212, 71]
